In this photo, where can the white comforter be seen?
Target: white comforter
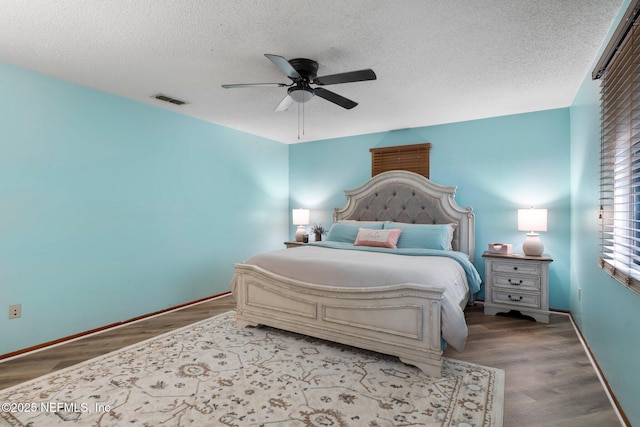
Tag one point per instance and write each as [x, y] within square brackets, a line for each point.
[351, 268]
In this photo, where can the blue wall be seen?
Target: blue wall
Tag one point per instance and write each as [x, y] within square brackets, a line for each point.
[607, 313]
[110, 209]
[499, 165]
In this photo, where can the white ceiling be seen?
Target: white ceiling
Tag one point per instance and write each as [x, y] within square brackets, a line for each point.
[437, 61]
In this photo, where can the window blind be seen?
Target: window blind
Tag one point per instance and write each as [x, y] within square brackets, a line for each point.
[413, 158]
[620, 158]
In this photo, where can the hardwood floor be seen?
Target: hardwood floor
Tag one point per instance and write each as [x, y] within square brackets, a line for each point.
[33, 365]
[549, 379]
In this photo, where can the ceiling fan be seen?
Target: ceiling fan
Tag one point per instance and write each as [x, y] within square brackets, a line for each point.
[303, 73]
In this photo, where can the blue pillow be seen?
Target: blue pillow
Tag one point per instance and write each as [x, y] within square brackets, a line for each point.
[424, 236]
[347, 231]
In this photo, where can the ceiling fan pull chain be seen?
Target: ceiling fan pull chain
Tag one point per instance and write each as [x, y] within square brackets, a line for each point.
[298, 122]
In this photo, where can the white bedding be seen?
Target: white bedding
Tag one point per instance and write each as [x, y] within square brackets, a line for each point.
[351, 268]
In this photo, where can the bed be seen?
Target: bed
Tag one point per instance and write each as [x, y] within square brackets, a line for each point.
[371, 297]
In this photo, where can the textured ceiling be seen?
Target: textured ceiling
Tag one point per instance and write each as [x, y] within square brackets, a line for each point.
[437, 61]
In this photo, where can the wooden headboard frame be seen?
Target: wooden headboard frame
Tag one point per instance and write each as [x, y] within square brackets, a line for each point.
[404, 196]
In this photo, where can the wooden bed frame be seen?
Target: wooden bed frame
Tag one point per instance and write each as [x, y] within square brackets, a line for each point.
[401, 320]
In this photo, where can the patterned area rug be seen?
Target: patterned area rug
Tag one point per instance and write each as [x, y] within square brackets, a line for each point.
[213, 374]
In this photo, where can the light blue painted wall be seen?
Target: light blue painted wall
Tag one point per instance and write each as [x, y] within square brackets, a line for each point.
[110, 209]
[499, 165]
[608, 314]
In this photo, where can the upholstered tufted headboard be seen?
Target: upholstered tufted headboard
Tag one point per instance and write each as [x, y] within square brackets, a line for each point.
[411, 198]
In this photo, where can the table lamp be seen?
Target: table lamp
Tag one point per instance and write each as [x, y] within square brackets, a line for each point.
[532, 220]
[300, 218]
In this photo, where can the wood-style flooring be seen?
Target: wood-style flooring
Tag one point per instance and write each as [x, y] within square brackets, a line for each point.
[549, 379]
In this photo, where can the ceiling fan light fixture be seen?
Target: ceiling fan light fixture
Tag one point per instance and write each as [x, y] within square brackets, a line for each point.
[300, 94]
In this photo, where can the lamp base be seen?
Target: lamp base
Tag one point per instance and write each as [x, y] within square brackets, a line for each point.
[300, 232]
[532, 245]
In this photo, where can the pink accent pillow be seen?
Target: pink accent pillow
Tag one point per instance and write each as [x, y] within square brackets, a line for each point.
[378, 238]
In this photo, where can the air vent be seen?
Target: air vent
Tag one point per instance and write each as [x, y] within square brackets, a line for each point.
[166, 98]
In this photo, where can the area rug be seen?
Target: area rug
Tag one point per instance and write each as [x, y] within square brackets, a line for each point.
[212, 373]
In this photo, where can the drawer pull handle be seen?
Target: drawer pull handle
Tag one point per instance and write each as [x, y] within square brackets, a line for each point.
[515, 299]
[515, 268]
[515, 283]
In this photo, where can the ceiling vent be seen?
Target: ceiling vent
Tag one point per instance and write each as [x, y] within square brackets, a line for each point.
[166, 98]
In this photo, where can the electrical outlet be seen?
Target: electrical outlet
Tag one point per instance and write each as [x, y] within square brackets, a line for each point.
[579, 294]
[15, 311]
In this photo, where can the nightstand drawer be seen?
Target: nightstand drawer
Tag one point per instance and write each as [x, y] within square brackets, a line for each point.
[516, 267]
[514, 281]
[516, 299]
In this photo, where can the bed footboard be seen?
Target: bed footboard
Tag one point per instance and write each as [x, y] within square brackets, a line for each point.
[401, 320]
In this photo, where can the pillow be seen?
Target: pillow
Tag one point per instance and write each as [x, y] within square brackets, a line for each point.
[347, 231]
[424, 236]
[364, 222]
[378, 238]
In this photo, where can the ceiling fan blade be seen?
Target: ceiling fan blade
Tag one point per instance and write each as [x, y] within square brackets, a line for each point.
[335, 98]
[242, 85]
[284, 66]
[348, 77]
[284, 104]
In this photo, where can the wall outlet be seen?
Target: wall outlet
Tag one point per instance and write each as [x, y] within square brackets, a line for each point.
[15, 311]
[579, 294]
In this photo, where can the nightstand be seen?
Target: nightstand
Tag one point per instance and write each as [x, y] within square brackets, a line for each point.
[294, 244]
[517, 282]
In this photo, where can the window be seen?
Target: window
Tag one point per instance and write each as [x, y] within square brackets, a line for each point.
[619, 70]
[413, 158]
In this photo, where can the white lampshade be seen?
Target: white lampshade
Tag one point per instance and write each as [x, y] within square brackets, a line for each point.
[300, 218]
[532, 220]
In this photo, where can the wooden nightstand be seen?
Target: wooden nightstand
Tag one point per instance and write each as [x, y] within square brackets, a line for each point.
[517, 282]
[294, 244]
